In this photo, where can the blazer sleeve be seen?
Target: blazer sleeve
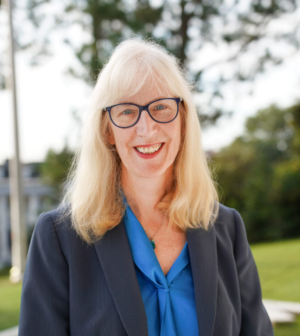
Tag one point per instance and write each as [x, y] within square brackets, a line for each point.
[45, 294]
[255, 319]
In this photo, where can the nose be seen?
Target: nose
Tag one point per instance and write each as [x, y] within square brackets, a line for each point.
[146, 126]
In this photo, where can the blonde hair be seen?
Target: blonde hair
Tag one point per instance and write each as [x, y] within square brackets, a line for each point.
[94, 181]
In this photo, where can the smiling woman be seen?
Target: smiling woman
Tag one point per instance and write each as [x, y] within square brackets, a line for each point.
[140, 245]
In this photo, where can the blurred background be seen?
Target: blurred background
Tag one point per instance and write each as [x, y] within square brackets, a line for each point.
[243, 58]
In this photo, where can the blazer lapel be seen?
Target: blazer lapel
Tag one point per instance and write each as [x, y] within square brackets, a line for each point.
[115, 257]
[203, 258]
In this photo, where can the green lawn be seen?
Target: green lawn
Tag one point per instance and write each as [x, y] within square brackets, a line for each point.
[278, 266]
[9, 301]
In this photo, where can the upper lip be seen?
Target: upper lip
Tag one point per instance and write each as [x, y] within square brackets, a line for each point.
[151, 145]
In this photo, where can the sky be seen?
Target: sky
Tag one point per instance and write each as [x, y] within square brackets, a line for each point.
[47, 97]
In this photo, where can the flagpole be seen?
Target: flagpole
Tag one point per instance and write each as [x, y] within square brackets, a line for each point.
[18, 225]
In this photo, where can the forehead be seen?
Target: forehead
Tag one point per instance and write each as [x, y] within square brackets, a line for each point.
[148, 93]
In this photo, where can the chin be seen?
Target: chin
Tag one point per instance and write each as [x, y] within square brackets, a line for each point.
[151, 171]
[148, 173]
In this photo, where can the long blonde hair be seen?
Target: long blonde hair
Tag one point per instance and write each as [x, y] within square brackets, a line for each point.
[94, 192]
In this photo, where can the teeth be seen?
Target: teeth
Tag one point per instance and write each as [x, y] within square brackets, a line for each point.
[149, 150]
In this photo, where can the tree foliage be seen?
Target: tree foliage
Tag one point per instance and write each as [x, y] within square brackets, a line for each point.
[251, 32]
[259, 174]
[55, 168]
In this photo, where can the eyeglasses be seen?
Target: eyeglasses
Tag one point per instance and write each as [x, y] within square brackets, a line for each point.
[162, 110]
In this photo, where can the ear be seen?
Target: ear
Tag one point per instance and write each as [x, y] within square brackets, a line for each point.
[110, 135]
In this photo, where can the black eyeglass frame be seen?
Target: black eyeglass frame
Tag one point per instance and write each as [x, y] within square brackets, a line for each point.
[144, 108]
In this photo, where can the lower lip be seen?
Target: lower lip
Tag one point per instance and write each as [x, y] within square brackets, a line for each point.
[149, 156]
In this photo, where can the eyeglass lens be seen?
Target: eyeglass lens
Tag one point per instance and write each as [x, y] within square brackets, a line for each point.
[125, 115]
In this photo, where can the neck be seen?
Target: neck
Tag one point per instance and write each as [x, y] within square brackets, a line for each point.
[144, 193]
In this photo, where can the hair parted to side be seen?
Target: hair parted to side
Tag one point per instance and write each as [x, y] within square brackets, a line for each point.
[94, 195]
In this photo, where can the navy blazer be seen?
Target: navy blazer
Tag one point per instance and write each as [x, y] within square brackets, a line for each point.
[71, 288]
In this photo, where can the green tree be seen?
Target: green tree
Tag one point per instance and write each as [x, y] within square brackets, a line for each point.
[55, 168]
[184, 27]
[232, 166]
[286, 182]
[259, 174]
[286, 197]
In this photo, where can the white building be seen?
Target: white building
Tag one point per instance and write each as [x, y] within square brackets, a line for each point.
[38, 199]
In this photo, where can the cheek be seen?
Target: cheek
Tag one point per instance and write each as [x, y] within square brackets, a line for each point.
[178, 140]
[110, 136]
[119, 147]
[177, 137]
[122, 146]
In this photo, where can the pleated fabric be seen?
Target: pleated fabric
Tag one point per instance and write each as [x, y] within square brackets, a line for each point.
[169, 300]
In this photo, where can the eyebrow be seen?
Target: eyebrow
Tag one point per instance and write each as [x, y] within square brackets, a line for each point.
[130, 102]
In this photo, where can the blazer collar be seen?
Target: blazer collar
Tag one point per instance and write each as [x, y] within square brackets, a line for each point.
[116, 260]
[204, 264]
[115, 257]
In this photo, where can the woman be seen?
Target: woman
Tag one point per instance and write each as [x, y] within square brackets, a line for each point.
[142, 247]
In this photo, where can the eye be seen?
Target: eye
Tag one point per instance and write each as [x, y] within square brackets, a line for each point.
[126, 112]
[159, 107]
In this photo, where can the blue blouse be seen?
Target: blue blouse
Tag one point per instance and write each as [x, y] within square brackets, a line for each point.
[169, 300]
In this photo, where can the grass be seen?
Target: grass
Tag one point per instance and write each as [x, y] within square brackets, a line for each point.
[287, 329]
[278, 266]
[10, 295]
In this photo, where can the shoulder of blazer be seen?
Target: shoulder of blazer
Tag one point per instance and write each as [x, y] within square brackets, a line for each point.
[225, 220]
[59, 218]
[227, 225]
[58, 222]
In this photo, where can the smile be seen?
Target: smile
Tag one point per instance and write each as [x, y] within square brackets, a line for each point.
[149, 150]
